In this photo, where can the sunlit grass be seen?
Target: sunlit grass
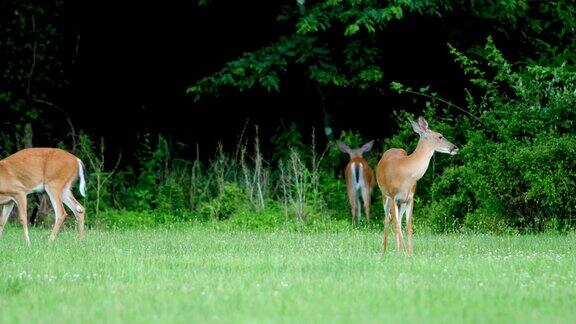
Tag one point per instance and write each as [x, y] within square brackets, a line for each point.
[201, 274]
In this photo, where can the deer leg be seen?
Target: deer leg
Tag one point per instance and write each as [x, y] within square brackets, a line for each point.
[354, 213]
[386, 203]
[352, 199]
[409, 225]
[402, 212]
[22, 214]
[397, 225]
[6, 210]
[77, 209]
[59, 212]
[358, 207]
[366, 199]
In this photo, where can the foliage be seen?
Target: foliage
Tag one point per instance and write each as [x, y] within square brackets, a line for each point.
[230, 200]
[308, 47]
[143, 195]
[515, 168]
[256, 176]
[99, 187]
[171, 198]
[32, 69]
[284, 140]
[336, 42]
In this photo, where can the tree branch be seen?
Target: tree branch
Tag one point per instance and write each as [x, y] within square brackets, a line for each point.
[33, 66]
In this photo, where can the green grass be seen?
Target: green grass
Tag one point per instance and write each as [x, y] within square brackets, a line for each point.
[201, 274]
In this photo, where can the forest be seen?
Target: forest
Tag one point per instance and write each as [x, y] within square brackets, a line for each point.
[240, 123]
[251, 131]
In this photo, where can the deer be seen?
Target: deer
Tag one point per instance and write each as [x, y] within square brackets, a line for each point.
[359, 180]
[36, 170]
[397, 174]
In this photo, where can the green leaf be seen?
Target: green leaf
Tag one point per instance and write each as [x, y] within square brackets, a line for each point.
[351, 29]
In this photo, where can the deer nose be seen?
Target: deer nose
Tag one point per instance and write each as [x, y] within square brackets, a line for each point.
[454, 150]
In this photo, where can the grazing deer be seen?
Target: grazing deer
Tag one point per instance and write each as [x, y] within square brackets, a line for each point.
[41, 169]
[359, 179]
[397, 174]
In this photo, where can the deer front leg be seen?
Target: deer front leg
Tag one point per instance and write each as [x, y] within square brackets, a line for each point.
[22, 208]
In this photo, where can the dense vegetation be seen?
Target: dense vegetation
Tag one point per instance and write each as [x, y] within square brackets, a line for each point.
[515, 171]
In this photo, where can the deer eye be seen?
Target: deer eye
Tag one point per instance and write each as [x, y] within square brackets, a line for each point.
[440, 137]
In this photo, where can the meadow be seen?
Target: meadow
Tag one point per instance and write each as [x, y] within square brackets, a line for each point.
[202, 273]
[221, 196]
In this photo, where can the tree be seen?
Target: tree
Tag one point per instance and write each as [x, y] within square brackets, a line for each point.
[337, 43]
[32, 69]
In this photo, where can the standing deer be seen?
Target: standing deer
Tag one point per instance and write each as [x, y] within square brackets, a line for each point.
[359, 179]
[397, 174]
[41, 169]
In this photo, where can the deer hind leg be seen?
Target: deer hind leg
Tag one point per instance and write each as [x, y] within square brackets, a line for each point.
[22, 210]
[366, 199]
[386, 204]
[409, 223]
[6, 210]
[402, 212]
[398, 225]
[76, 208]
[55, 195]
[353, 206]
[358, 208]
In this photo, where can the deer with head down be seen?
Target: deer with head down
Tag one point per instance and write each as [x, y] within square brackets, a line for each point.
[36, 170]
[359, 180]
[397, 174]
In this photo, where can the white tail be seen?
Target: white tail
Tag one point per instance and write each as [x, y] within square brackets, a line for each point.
[359, 180]
[82, 180]
[397, 174]
[38, 169]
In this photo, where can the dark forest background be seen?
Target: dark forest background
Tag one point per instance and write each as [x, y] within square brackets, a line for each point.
[145, 92]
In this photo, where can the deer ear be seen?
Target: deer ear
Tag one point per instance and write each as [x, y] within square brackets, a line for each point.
[367, 147]
[343, 147]
[416, 127]
[423, 123]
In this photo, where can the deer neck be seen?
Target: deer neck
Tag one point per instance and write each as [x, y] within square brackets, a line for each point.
[420, 159]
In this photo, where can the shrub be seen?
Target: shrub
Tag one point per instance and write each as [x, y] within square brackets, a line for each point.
[516, 169]
[226, 204]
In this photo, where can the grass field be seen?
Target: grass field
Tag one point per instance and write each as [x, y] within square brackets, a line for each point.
[201, 274]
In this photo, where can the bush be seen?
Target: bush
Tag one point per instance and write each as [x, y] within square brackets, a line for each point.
[517, 168]
[512, 184]
[171, 200]
[227, 203]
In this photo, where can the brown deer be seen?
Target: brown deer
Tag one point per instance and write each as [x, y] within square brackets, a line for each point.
[36, 170]
[359, 180]
[397, 174]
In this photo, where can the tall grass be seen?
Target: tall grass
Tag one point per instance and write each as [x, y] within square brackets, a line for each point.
[229, 183]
